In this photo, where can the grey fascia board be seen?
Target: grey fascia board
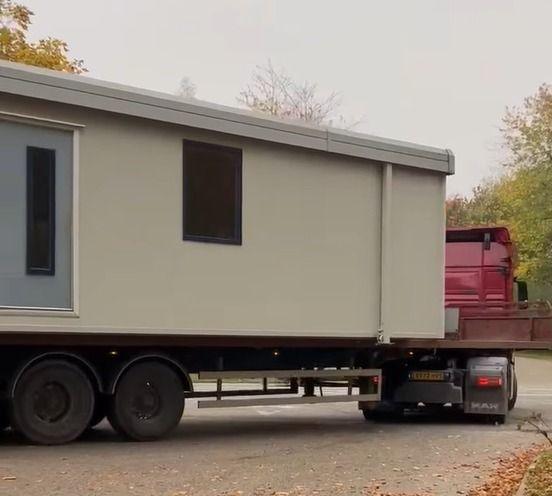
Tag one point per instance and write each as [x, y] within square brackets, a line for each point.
[395, 158]
[362, 139]
[86, 92]
[391, 151]
[86, 85]
[162, 114]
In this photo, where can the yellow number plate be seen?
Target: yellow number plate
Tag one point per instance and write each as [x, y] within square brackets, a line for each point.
[427, 375]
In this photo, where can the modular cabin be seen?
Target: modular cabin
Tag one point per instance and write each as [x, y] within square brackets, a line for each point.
[146, 237]
[126, 211]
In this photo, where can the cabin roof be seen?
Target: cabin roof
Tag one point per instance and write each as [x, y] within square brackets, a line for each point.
[86, 92]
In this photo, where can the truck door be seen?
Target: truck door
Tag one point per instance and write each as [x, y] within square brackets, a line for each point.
[35, 216]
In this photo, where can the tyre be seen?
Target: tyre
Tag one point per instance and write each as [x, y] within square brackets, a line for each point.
[513, 388]
[497, 419]
[4, 416]
[373, 415]
[100, 412]
[148, 402]
[385, 413]
[53, 402]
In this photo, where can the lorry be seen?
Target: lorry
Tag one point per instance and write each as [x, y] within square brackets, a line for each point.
[473, 368]
[149, 242]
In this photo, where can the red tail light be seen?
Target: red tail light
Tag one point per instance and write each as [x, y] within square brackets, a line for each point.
[484, 381]
[375, 379]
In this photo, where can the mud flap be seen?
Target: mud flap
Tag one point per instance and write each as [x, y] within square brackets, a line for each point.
[486, 386]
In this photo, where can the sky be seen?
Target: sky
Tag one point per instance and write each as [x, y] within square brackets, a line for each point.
[437, 72]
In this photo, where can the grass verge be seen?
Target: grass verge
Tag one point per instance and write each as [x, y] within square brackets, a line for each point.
[540, 354]
[539, 477]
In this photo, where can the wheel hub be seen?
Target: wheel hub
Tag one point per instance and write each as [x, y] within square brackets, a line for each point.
[146, 402]
[51, 402]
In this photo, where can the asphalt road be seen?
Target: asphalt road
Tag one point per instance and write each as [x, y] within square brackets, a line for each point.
[320, 449]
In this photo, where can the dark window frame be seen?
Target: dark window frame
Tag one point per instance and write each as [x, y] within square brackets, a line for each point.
[50, 154]
[236, 155]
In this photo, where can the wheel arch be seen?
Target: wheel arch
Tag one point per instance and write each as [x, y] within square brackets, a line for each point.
[183, 374]
[73, 358]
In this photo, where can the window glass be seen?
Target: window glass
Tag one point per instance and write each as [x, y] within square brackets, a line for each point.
[40, 211]
[212, 193]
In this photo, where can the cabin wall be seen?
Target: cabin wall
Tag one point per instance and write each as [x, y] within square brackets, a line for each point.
[416, 284]
[309, 264]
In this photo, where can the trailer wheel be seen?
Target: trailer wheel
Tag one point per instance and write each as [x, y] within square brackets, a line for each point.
[513, 388]
[373, 415]
[384, 413]
[148, 402]
[497, 419]
[4, 416]
[100, 410]
[52, 403]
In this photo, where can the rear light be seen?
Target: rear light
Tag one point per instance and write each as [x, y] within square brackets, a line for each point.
[489, 382]
[375, 379]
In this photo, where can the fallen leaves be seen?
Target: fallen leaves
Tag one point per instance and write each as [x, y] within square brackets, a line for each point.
[507, 476]
[377, 492]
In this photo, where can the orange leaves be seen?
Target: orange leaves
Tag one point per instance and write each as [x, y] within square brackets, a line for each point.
[507, 476]
[51, 53]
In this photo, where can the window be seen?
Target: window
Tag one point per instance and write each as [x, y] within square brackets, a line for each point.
[212, 193]
[41, 179]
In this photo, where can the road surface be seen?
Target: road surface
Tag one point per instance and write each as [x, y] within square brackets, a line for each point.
[323, 450]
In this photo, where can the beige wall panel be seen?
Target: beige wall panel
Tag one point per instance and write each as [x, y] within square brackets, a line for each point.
[309, 264]
[416, 279]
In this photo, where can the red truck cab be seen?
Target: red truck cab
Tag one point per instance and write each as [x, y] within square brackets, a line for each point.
[479, 268]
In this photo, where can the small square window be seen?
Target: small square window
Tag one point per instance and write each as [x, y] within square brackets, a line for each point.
[212, 203]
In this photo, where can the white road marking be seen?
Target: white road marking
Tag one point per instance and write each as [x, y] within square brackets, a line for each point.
[549, 389]
[536, 392]
[538, 395]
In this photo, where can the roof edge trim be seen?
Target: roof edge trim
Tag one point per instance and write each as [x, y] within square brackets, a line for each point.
[44, 84]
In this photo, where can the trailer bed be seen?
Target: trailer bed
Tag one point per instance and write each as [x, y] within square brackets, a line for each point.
[491, 326]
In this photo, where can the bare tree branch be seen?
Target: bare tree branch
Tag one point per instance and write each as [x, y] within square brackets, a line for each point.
[273, 92]
[536, 420]
[186, 89]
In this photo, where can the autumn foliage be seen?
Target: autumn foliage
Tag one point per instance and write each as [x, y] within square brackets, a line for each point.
[521, 198]
[52, 53]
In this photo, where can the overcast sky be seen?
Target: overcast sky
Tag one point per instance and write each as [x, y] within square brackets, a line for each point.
[437, 72]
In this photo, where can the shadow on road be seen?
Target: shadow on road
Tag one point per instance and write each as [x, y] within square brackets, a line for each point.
[246, 427]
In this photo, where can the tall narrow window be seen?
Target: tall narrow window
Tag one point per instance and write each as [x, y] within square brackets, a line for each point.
[212, 193]
[41, 180]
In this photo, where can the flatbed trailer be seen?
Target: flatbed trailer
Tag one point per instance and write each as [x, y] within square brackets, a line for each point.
[383, 378]
[526, 326]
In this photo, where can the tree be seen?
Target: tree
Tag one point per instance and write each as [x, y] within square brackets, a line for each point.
[528, 131]
[51, 53]
[186, 89]
[273, 92]
[528, 137]
[522, 197]
[483, 208]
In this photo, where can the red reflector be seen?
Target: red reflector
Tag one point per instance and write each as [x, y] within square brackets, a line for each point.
[375, 379]
[484, 381]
